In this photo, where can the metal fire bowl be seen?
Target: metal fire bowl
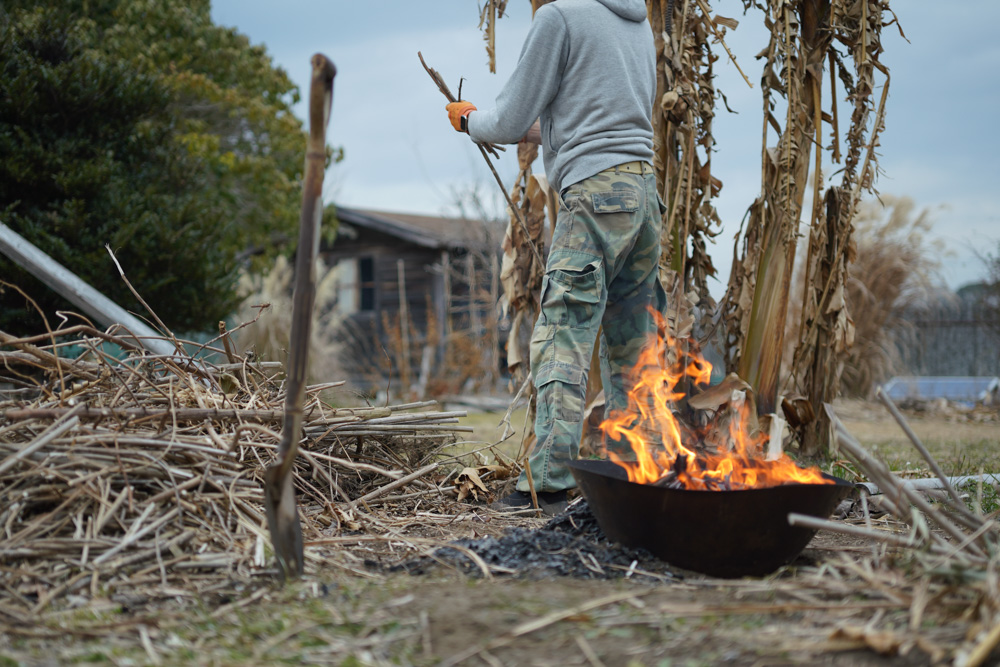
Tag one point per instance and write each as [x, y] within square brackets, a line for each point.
[718, 533]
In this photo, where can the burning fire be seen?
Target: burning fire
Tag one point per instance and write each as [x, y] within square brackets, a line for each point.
[727, 453]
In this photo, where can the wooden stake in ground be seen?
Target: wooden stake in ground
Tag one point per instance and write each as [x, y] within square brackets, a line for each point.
[279, 491]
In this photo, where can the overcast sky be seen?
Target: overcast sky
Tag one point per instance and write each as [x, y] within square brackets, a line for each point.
[939, 147]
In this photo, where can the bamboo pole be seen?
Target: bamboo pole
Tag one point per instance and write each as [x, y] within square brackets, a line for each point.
[279, 492]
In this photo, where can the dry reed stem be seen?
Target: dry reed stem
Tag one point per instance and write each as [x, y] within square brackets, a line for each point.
[139, 472]
[935, 562]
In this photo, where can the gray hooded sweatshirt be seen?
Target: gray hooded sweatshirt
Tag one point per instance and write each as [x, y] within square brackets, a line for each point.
[588, 70]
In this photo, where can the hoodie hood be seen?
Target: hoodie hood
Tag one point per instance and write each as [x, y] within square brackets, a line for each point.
[632, 10]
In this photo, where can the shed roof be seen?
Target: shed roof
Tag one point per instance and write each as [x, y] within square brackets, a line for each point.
[423, 230]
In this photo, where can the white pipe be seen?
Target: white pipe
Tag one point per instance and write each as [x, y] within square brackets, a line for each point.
[78, 292]
[934, 482]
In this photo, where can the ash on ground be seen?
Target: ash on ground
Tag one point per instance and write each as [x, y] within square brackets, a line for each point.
[569, 545]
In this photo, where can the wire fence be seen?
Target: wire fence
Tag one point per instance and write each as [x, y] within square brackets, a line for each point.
[960, 338]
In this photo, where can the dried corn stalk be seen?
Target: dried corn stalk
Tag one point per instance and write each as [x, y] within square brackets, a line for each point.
[682, 136]
[488, 15]
[826, 329]
[803, 38]
[800, 39]
[521, 269]
[523, 265]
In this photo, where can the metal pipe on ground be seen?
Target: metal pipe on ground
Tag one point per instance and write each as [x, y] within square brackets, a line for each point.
[71, 287]
[934, 482]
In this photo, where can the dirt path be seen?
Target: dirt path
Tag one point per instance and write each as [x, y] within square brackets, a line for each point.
[333, 617]
[347, 613]
[691, 623]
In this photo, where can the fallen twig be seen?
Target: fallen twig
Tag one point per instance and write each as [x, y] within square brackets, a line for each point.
[539, 623]
[402, 481]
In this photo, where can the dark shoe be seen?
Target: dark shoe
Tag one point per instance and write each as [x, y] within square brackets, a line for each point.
[550, 502]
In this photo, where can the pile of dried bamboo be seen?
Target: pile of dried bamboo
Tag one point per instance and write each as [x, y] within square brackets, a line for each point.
[121, 469]
[945, 551]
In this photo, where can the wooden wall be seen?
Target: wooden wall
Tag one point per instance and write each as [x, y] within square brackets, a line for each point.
[437, 302]
[386, 253]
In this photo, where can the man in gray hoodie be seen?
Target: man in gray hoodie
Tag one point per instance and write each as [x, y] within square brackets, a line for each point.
[587, 71]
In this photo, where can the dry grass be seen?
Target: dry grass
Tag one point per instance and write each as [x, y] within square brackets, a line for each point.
[268, 302]
[895, 268]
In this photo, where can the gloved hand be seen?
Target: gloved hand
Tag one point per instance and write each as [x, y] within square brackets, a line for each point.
[458, 114]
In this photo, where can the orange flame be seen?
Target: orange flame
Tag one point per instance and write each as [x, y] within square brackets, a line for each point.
[657, 437]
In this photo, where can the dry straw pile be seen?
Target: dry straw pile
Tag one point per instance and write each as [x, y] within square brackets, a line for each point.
[934, 554]
[121, 470]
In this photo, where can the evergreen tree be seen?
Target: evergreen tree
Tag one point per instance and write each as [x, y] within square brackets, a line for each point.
[142, 125]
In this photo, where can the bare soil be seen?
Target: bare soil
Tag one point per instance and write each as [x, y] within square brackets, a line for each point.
[452, 619]
[349, 610]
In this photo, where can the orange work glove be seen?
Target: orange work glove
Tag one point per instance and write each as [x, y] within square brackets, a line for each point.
[458, 114]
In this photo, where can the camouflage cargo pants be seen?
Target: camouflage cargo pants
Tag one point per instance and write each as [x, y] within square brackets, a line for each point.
[601, 270]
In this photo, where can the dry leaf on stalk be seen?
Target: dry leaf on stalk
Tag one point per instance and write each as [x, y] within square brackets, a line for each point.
[468, 483]
[725, 21]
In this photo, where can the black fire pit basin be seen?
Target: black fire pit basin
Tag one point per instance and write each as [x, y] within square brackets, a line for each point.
[718, 533]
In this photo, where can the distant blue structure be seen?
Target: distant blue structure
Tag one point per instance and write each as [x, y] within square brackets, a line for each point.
[968, 390]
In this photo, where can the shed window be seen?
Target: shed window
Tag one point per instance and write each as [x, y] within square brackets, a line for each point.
[356, 285]
[366, 283]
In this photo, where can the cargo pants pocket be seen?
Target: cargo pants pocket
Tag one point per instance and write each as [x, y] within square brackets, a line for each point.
[572, 297]
[560, 393]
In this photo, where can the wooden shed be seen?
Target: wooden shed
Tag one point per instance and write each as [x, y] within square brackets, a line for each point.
[408, 285]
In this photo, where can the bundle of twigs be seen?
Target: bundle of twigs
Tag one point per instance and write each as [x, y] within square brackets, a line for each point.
[951, 552]
[121, 469]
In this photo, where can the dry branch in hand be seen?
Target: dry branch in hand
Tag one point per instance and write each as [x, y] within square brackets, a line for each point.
[446, 91]
[483, 148]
